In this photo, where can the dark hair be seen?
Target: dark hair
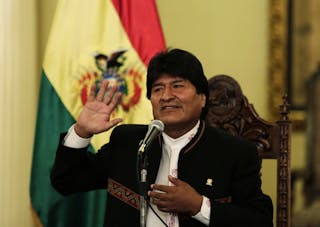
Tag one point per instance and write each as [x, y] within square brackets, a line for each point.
[177, 62]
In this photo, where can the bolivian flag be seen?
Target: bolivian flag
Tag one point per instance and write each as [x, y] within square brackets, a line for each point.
[90, 40]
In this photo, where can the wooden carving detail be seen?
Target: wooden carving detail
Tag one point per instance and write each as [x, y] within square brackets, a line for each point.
[284, 173]
[230, 110]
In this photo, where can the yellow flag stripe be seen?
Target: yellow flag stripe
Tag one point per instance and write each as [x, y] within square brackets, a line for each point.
[90, 27]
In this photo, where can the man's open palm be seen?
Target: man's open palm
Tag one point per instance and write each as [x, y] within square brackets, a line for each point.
[95, 115]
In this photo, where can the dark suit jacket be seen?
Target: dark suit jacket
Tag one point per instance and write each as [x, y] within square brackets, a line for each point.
[230, 164]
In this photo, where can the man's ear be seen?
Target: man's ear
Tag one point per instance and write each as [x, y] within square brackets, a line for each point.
[203, 99]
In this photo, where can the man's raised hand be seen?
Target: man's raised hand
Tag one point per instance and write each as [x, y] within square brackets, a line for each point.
[95, 115]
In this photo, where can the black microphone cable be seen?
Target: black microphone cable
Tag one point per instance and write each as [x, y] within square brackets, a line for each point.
[149, 205]
[138, 165]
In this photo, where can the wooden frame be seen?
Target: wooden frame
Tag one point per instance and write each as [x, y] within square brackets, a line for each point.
[279, 54]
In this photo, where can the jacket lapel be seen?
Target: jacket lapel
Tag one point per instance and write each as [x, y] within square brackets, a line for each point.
[154, 156]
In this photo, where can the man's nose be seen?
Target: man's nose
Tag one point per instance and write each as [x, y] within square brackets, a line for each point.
[167, 94]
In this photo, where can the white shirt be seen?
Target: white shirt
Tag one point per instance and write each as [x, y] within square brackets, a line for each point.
[168, 166]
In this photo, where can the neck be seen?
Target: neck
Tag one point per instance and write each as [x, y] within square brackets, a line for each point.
[175, 131]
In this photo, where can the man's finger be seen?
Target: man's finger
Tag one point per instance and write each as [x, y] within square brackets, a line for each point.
[174, 180]
[115, 100]
[92, 93]
[102, 90]
[157, 195]
[160, 187]
[113, 122]
[109, 95]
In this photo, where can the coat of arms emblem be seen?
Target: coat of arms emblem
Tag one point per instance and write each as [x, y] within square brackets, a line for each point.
[113, 68]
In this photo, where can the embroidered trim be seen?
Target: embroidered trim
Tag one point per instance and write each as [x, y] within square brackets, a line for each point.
[123, 193]
[224, 200]
[198, 138]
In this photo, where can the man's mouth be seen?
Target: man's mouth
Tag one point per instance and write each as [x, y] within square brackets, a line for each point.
[169, 107]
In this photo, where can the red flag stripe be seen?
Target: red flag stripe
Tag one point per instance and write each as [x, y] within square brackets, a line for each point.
[141, 22]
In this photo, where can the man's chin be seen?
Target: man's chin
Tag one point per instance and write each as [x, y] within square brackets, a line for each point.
[170, 122]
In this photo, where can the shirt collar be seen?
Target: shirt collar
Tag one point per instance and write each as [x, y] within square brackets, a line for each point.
[182, 140]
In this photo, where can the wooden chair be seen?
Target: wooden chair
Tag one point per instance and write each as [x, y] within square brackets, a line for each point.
[230, 110]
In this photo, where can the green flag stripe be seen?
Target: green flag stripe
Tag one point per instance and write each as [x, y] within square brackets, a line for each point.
[53, 118]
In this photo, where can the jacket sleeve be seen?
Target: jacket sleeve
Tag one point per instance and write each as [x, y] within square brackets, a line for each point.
[249, 206]
[78, 170]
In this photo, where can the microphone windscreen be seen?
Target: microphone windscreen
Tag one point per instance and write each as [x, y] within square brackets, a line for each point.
[158, 124]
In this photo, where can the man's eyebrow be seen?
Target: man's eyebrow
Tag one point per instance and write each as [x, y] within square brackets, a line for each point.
[178, 80]
[157, 84]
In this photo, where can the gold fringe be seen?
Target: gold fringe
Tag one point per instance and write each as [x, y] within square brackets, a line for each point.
[36, 220]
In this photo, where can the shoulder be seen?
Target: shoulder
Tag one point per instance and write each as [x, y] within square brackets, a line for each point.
[224, 136]
[230, 142]
[128, 131]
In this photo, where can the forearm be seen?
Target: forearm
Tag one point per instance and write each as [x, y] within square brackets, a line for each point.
[76, 169]
[248, 205]
[230, 214]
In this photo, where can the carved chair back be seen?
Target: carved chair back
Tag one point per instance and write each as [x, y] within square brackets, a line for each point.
[230, 110]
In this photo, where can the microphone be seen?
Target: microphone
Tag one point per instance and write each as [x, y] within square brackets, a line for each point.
[154, 129]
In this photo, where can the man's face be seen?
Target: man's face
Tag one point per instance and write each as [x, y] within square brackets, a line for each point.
[176, 103]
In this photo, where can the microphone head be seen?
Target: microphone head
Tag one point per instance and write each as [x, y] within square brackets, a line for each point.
[158, 124]
[154, 129]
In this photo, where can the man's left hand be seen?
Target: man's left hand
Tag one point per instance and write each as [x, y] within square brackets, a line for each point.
[179, 198]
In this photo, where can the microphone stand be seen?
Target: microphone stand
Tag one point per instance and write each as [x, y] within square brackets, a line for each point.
[142, 169]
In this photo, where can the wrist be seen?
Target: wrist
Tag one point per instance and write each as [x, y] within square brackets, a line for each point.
[197, 205]
[81, 132]
[204, 214]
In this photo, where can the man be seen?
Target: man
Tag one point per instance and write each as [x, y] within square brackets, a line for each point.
[198, 175]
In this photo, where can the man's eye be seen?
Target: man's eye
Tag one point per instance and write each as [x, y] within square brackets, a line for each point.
[178, 85]
[156, 89]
